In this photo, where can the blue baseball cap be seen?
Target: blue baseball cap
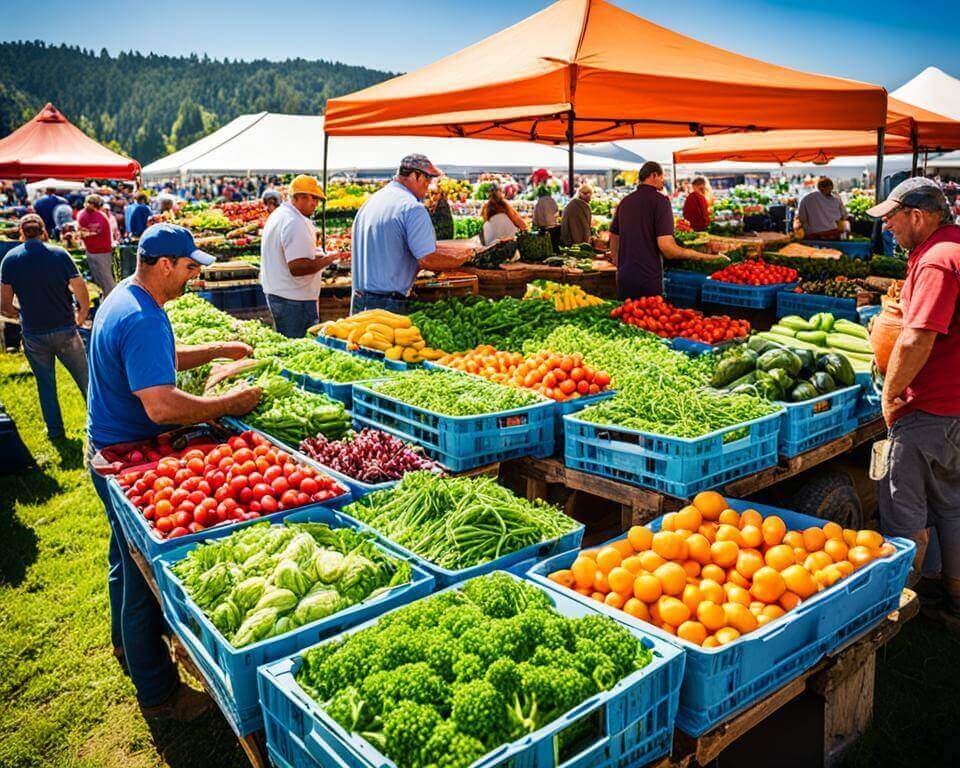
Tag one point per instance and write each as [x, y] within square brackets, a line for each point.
[173, 241]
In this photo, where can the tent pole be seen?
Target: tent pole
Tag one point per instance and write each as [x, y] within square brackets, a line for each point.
[879, 180]
[916, 150]
[323, 210]
[924, 162]
[676, 184]
[570, 135]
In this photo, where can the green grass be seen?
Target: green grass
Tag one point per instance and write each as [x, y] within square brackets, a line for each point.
[65, 702]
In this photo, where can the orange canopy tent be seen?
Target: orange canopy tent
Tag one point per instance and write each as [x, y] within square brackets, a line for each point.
[50, 145]
[585, 70]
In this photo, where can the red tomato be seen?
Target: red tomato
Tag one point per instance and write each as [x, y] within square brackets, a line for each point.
[164, 524]
[302, 499]
[237, 443]
[238, 483]
[177, 532]
[253, 478]
[225, 463]
[204, 487]
[262, 463]
[222, 493]
[289, 499]
[288, 469]
[272, 473]
[583, 387]
[179, 496]
[242, 455]
[196, 465]
[162, 482]
[163, 493]
[280, 486]
[245, 495]
[262, 489]
[247, 467]
[260, 450]
[187, 506]
[268, 504]
[309, 486]
[149, 511]
[296, 477]
[182, 518]
[166, 469]
[254, 506]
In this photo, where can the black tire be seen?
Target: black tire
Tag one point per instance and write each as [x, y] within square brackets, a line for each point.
[830, 496]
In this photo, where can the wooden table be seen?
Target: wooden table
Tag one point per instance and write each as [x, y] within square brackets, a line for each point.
[640, 505]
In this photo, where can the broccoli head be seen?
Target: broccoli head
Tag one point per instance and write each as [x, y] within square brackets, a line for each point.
[501, 596]
[347, 708]
[448, 748]
[415, 682]
[406, 730]
[611, 639]
[478, 710]
[468, 667]
[504, 675]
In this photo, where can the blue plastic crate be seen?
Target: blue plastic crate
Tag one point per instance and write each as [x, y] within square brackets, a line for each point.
[681, 294]
[855, 249]
[685, 277]
[633, 720]
[674, 465]
[748, 296]
[806, 304]
[817, 421]
[864, 314]
[231, 673]
[374, 354]
[718, 682]
[695, 348]
[460, 442]
[444, 577]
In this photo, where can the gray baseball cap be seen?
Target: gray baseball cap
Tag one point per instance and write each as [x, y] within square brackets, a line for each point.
[418, 162]
[917, 192]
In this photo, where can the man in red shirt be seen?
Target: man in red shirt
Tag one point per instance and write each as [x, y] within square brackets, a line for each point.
[695, 208]
[95, 231]
[921, 395]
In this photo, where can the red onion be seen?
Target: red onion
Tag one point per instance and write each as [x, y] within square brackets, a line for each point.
[370, 456]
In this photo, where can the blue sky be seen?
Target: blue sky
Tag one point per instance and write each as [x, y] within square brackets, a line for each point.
[883, 41]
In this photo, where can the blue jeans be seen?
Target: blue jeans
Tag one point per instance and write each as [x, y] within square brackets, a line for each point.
[361, 302]
[42, 351]
[292, 318]
[136, 621]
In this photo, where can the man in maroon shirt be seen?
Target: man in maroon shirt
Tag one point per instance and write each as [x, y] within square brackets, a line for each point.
[95, 231]
[642, 229]
[695, 208]
[921, 395]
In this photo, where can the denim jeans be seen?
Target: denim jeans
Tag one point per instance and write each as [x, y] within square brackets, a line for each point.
[361, 302]
[136, 621]
[42, 351]
[292, 318]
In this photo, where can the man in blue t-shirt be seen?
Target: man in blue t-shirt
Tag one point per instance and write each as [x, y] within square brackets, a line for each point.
[45, 281]
[133, 395]
[45, 206]
[136, 216]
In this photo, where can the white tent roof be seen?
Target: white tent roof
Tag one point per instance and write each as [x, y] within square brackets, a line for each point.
[273, 143]
[934, 90]
[61, 185]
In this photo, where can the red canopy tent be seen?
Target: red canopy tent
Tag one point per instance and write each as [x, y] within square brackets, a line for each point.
[50, 145]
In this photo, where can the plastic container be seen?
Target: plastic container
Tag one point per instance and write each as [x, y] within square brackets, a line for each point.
[460, 442]
[817, 421]
[231, 673]
[685, 277]
[806, 304]
[719, 682]
[856, 249]
[736, 295]
[633, 721]
[695, 348]
[444, 577]
[681, 294]
[865, 313]
[674, 465]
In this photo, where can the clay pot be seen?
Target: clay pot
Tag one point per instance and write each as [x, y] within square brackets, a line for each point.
[884, 333]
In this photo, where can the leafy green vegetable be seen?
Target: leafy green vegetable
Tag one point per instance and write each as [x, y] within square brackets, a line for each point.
[454, 394]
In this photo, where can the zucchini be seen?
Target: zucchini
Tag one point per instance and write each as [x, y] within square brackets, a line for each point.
[768, 387]
[779, 358]
[813, 337]
[803, 391]
[760, 345]
[732, 368]
[838, 366]
[796, 323]
[823, 382]
[783, 329]
[850, 328]
[808, 361]
[823, 321]
[787, 341]
[849, 343]
[783, 379]
[750, 378]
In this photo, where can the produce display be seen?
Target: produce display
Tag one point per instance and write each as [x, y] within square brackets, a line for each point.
[711, 575]
[781, 374]
[564, 297]
[394, 335]
[822, 333]
[821, 269]
[466, 227]
[559, 377]
[701, 266]
[839, 287]
[453, 394]
[494, 254]
[370, 456]
[755, 272]
[321, 362]
[655, 314]
[242, 479]
[534, 247]
[888, 266]
[447, 679]
[266, 580]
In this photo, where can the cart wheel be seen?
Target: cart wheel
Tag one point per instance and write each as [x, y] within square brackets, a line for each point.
[830, 496]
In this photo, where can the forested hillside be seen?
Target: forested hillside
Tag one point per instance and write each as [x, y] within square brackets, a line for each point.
[147, 105]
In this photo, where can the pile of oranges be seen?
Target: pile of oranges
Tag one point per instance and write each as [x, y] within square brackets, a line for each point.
[711, 574]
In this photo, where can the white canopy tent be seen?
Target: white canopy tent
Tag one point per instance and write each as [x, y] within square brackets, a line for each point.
[933, 90]
[37, 188]
[268, 143]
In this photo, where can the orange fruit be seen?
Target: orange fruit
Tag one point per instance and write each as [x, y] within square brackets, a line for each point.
[773, 611]
[669, 522]
[640, 537]
[583, 570]
[748, 563]
[698, 548]
[886, 549]
[633, 564]
[724, 553]
[850, 537]
[637, 608]
[598, 596]
[623, 546]
[828, 576]
[672, 579]
[736, 579]
[779, 557]
[710, 504]
[564, 577]
[813, 539]
[729, 533]
[872, 540]
[689, 518]
[600, 583]
[650, 560]
[591, 553]
[714, 573]
[751, 517]
[837, 549]
[739, 617]
[672, 611]
[621, 580]
[654, 609]
[736, 594]
[798, 580]
[709, 531]
[833, 531]
[668, 628]
[768, 585]
[711, 615]
[584, 591]
[845, 567]
[763, 620]
[793, 539]
[614, 600]
[789, 600]
[859, 556]
[647, 587]
[692, 568]
[773, 530]
[752, 535]
[730, 517]
[818, 560]
[692, 632]
[683, 533]
[800, 554]
[727, 635]
[756, 607]
[668, 545]
[711, 642]
[711, 590]
[608, 558]
[692, 597]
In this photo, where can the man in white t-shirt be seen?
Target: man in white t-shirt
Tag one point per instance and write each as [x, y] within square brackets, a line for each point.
[290, 262]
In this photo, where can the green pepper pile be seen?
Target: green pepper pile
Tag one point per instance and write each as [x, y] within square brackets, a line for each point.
[821, 269]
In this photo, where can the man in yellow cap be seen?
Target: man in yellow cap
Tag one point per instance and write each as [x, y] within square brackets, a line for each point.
[290, 262]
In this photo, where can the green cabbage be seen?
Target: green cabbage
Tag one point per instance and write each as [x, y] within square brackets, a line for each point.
[248, 592]
[359, 578]
[257, 626]
[318, 605]
[282, 600]
[227, 617]
[288, 575]
[328, 565]
[211, 585]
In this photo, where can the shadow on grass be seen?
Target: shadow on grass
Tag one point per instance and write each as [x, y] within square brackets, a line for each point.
[19, 549]
[180, 743]
[70, 450]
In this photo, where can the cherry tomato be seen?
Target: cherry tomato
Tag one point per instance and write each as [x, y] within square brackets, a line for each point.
[243, 454]
[238, 482]
[302, 498]
[295, 478]
[245, 495]
[182, 518]
[262, 489]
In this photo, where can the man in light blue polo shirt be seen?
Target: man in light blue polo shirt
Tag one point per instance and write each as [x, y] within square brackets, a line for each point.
[393, 239]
